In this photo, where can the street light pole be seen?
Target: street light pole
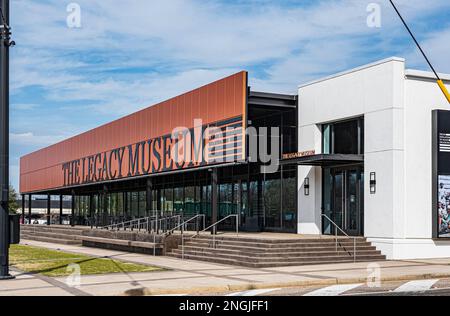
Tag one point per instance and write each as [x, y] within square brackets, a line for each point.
[5, 43]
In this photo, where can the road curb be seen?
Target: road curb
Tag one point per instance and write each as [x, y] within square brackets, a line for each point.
[260, 286]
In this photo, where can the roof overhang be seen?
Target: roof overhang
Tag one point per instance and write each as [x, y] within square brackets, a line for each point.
[325, 160]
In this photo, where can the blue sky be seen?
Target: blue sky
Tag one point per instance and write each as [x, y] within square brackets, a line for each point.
[126, 57]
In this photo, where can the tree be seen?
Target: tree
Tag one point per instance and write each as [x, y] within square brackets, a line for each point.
[13, 198]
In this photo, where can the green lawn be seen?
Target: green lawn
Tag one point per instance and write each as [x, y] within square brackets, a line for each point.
[54, 263]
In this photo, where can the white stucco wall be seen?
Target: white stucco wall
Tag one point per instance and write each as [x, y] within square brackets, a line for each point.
[397, 111]
[353, 94]
[412, 238]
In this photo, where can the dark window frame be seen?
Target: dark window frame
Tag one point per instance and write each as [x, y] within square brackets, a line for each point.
[360, 135]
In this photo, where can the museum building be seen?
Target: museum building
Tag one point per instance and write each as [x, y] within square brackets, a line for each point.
[366, 150]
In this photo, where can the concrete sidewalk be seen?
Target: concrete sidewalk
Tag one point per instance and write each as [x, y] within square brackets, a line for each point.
[192, 277]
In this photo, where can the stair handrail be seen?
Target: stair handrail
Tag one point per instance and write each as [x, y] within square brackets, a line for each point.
[337, 228]
[182, 225]
[159, 222]
[214, 226]
[221, 221]
[126, 223]
[143, 223]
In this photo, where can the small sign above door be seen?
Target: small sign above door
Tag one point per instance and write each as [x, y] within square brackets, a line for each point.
[299, 154]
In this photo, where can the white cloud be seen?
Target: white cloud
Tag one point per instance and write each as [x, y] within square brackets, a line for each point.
[126, 57]
[24, 106]
[177, 37]
[437, 48]
[29, 138]
[14, 173]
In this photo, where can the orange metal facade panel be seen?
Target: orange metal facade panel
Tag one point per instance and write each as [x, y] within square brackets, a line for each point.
[218, 101]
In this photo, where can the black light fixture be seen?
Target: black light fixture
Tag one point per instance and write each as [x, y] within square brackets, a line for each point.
[373, 183]
[306, 186]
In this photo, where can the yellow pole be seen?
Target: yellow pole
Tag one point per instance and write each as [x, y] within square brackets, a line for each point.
[444, 90]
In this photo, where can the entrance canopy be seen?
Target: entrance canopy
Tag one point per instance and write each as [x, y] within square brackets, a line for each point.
[325, 160]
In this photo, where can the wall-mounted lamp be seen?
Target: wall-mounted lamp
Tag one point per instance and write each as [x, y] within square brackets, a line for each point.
[373, 183]
[306, 186]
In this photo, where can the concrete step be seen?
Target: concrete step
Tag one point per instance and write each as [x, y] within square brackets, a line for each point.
[50, 240]
[53, 235]
[277, 253]
[123, 245]
[285, 247]
[51, 229]
[120, 242]
[279, 241]
[256, 252]
[272, 258]
[280, 263]
[276, 250]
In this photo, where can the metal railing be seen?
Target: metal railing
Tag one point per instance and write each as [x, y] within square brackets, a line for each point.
[214, 232]
[336, 229]
[132, 224]
[149, 224]
[183, 225]
[182, 228]
[164, 224]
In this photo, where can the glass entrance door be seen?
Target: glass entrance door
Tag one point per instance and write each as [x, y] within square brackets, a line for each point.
[352, 203]
[345, 201]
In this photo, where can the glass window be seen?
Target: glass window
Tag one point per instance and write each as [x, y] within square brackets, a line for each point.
[128, 204]
[120, 204]
[345, 138]
[289, 199]
[206, 201]
[134, 210]
[167, 200]
[290, 131]
[253, 200]
[272, 201]
[142, 204]
[155, 201]
[198, 199]
[226, 200]
[178, 202]
[101, 208]
[95, 207]
[327, 139]
[190, 200]
[112, 204]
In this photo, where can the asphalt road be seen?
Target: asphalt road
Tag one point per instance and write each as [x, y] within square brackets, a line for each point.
[435, 287]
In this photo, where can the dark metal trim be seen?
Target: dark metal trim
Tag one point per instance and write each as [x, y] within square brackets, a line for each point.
[435, 176]
[161, 174]
[49, 197]
[325, 160]
[30, 215]
[23, 208]
[260, 102]
[60, 209]
[287, 97]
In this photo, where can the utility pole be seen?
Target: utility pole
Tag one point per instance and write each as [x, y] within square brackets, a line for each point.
[439, 80]
[5, 43]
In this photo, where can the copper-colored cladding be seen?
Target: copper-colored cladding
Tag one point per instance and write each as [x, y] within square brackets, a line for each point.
[218, 101]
